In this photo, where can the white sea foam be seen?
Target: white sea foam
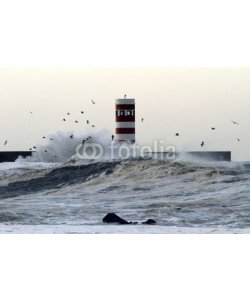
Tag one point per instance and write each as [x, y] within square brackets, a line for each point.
[115, 229]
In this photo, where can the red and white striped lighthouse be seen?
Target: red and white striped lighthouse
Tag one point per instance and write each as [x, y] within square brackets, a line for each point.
[125, 120]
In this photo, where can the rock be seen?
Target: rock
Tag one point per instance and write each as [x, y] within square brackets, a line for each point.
[113, 218]
[149, 222]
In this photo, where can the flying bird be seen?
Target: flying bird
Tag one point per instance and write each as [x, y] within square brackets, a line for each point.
[31, 112]
[142, 119]
[238, 139]
[45, 151]
[177, 134]
[93, 102]
[5, 143]
[202, 144]
[34, 147]
[44, 137]
[76, 121]
[87, 121]
[82, 112]
[213, 128]
[113, 137]
[235, 123]
[64, 120]
[93, 125]
[72, 135]
[68, 114]
[51, 139]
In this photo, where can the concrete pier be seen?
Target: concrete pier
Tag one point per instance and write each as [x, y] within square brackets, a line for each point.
[197, 155]
[11, 156]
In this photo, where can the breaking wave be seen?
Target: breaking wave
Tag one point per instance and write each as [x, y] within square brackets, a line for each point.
[61, 146]
[175, 193]
[56, 187]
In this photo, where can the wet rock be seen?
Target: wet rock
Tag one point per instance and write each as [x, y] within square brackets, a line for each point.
[149, 222]
[113, 218]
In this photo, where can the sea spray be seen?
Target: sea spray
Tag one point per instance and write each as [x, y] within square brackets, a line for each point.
[83, 147]
[59, 147]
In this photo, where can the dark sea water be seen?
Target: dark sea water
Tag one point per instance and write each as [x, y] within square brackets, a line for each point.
[182, 196]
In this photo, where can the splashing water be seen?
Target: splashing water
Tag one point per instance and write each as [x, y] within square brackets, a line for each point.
[63, 148]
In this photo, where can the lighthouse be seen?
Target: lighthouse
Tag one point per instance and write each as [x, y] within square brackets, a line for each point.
[125, 120]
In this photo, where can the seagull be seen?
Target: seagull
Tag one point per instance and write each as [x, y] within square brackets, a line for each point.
[93, 102]
[5, 143]
[235, 123]
[72, 136]
[177, 134]
[238, 139]
[202, 144]
[213, 128]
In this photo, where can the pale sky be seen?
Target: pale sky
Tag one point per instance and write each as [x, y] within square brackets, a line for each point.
[185, 100]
